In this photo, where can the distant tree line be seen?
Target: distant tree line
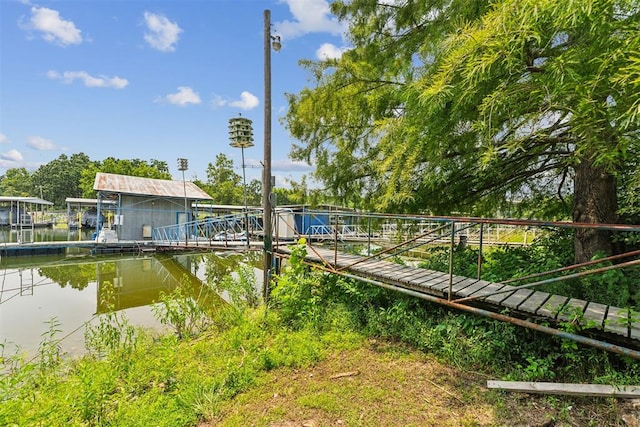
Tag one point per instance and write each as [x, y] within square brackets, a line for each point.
[74, 176]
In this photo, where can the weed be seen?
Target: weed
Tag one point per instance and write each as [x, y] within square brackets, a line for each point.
[182, 312]
[113, 330]
[50, 350]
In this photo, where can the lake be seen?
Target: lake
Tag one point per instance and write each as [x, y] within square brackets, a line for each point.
[72, 289]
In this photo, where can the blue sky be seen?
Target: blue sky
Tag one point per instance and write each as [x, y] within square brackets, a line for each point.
[152, 79]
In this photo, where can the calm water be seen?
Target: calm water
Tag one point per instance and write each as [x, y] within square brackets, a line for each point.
[71, 289]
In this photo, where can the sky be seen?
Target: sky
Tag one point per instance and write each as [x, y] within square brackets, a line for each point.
[135, 79]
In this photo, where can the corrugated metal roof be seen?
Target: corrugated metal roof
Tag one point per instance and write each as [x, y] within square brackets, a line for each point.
[34, 200]
[124, 184]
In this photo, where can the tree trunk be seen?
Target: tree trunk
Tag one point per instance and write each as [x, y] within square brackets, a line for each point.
[594, 201]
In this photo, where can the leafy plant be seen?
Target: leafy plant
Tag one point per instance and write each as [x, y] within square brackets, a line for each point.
[297, 294]
[241, 288]
[113, 330]
[50, 351]
[183, 313]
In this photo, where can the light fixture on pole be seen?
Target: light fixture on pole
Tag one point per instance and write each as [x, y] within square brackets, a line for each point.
[183, 165]
[241, 136]
[269, 42]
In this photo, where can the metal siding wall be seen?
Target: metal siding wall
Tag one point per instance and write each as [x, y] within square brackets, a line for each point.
[139, 211]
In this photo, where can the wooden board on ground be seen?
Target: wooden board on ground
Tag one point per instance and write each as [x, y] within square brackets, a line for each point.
[595, 390]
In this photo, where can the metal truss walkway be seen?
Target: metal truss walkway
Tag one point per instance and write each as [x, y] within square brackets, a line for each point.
[382, 238]
[525, 307]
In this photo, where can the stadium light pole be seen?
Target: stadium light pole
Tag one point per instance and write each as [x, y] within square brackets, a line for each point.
[269, 42]
[183, 165]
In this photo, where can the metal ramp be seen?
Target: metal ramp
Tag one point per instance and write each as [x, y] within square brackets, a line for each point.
[526, 307]
[219, 230]
[380, 238]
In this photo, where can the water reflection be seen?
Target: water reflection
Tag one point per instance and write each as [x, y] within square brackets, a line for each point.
[15, 234]
[74, 290]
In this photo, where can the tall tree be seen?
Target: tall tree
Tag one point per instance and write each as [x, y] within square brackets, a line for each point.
[60, 178]
[17, 182]
[521, 100]
[225, 184]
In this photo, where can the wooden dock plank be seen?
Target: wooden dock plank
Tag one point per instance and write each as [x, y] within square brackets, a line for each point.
[416, 279]
[555, 307]
[499, 297]
[418, 272]
[435, 282]
[461, 285]
[534, 302]
[552, 306]
[444, 285]
[429, 278]
[517, 298]
[489, 289]
[573, 309]
[594, 314]
[634, 331]
[475, 287]
[402, 276]
[393, 272]
[617, 321]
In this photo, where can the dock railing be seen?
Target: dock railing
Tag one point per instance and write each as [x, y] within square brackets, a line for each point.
[211, 229]
[385, 236]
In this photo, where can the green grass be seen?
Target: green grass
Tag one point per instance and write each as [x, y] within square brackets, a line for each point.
[360, 355]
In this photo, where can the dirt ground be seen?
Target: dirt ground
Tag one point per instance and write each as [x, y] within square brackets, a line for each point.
[388, 385]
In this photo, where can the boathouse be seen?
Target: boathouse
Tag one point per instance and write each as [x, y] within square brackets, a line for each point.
[138, 205]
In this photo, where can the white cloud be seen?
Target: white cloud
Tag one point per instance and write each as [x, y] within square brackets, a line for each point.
[12, 156]
[3, 139]
[162, 34]
[183, 97]
[310, 16]
[291, 166]
[41, 144]
[330, 51]
[88, 80]
[247, 101]
[54, 28]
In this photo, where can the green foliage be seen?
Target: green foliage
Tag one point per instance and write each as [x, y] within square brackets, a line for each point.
[74, 177]
[310, 299]
[112, 332]
[50, 351]
[299, 193]
[223, 183]
[60, 178]
[242, 289]
[182, 312]
[296, 294]
[169, 380]
[492, 108]
[74, 276]
[17, 182]
[464, 262]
